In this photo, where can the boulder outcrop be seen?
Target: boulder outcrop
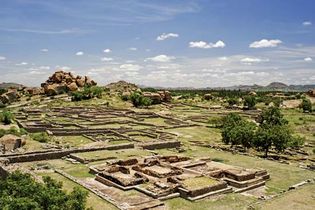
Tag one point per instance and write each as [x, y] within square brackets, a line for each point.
[62, 82]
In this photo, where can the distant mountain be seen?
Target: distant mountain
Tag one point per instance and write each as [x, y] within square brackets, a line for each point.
[5, 85]
[277, 85]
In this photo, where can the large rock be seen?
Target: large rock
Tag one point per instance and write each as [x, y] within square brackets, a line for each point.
[61, 82]
[80, 81]
[9, 97]
[72, 86]
[34, 91]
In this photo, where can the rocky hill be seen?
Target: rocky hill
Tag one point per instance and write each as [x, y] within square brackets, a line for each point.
[122, 87]
[61, 82]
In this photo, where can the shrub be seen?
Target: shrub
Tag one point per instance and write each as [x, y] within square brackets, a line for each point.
[250, 102]
[139, 100]
[306, 105]
[40, 137]
[232, 101]
[296, 142]
[87, 93]
[6, 117]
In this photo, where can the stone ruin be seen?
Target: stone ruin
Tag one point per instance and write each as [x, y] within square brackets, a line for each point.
[11, 142]
[164, 177]
[61, 82]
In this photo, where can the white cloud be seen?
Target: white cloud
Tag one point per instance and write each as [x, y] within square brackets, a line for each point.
[265, 43]
[64, 68]
[161, 58]
[36, 72]
[21, 64]
[250, 60]
[133, 48]
[130, 67]
[308, 59]
[107, 50]
[204, 45]
[224, 58]
[106, 59]
[307, 23]
[166, 36]
[79, 53]
[2, 58]
[44, 50]
[44, 67]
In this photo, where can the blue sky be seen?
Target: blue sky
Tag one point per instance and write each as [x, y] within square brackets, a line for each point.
[201, 43]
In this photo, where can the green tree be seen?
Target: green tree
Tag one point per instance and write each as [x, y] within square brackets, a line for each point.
[237, 131]
[306, 105]
[272, 116]
[277, 136]
[250, 102]
[21, 191]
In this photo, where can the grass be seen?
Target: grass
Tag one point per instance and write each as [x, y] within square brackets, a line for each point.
[282, 175]
[302, 199]
[226, 202]
[74, 141]
[199, 182]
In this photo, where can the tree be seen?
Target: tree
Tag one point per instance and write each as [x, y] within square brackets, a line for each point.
[21, 192]
[306, 105]
[277, 136]
[272, 116]
[88, 92]
[237, 131]
[250, 102]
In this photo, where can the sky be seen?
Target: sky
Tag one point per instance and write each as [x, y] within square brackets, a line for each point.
[169, 43]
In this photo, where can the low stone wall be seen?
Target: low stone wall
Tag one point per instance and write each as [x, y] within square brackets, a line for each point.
[61, 153]
[160, 145]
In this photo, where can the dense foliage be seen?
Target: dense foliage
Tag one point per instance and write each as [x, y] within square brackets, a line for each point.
[87, 93]
[138, 100]
[237, 131]
[306, 105]
[6, 117]
[272, 132]
[249, 102]
[21, 192]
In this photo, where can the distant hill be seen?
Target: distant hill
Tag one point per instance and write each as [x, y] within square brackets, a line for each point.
[277, 85]
[5, 85]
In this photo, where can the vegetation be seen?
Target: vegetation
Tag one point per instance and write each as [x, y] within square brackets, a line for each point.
[42, 137]
[6, 117]
[272, 132]
[232, 101]
[139, 100]
[87, 93]
[237, 131]
[13, 131]
[306, 105]
[250, 102]
[21, 192]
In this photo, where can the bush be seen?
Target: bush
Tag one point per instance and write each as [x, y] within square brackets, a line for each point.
[232, 101]
[296, 142]
[306, 105]
[139, 100]
[250, 102]
[40, 137]
[87, 93]
[6, 117]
